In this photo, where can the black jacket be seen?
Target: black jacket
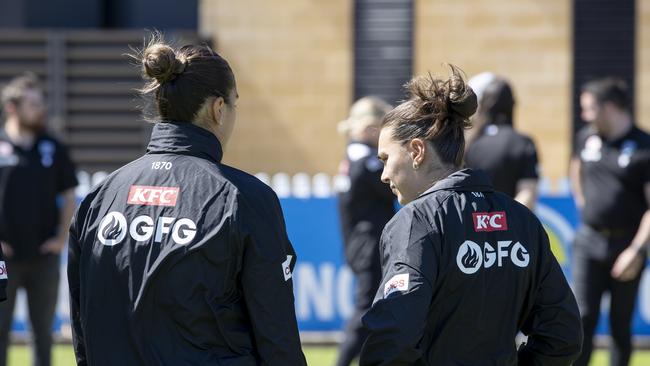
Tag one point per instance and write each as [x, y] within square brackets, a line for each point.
[464, 269]
[177, 259]
[364, 208]
[3, 278]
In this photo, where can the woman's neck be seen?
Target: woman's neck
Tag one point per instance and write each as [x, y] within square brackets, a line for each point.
[20, 136]
[436, 173]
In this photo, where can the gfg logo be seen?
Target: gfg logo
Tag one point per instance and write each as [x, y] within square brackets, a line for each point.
[471, 256]
[113, 229]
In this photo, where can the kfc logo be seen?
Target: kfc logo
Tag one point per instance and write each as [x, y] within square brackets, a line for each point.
[490, 221]
[3, 270]
[153, 196]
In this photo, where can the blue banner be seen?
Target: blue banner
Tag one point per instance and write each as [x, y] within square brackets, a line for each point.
[323, 285]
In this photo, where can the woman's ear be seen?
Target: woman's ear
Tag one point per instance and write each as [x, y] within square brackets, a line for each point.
[417, 150]
[217, 108]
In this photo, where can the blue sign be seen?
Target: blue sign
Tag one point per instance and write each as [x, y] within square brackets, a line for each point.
[323, 285]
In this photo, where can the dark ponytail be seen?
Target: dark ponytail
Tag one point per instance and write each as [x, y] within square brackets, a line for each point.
[180, 81]
[438, 111]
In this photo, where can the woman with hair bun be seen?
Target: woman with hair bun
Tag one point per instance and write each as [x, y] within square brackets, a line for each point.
[177, 258]
[464, 268]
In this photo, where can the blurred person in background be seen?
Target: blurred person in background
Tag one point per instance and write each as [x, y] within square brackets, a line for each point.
[610, 176]
[35, 171]
[364, 209]
[464, 267]
[177, 258]
[478, 83]
[493, 145]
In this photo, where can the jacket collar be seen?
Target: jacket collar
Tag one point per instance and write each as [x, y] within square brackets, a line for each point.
[186, 139]
[463, 180]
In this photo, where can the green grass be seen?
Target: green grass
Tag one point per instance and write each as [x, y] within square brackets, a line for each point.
[316, 356]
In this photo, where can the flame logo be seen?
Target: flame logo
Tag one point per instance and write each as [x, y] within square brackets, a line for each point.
[470, 257]
[113, 230]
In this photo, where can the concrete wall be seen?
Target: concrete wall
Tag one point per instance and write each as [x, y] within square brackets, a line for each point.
[527, 41]
[293, 63]
[293, 60]
[643, 64]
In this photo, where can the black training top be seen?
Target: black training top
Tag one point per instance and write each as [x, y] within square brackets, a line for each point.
[178, 259]
[464, 268]
[3, 278]
[30, 181]
[364, 208]
[612, 177]
[506, 155]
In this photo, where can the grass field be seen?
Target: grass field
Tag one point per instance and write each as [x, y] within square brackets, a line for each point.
[316, 356]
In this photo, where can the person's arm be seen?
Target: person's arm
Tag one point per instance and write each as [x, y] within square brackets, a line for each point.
[397, 319]
[527, 192]
[65, 184]
[526, 189]
[57, 243]
[553, 325]
[574, 177]
[74, 281]
[632, 259]
[266, 279]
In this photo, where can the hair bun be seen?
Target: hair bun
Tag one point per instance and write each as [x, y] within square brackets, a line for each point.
[462, 99]
[159, 62]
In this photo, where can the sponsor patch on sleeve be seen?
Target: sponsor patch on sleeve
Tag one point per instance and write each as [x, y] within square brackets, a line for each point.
[399, 282]
[3, 270]
[286, 268]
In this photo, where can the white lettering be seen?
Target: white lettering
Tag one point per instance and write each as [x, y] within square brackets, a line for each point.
[141, 223]
[514, 255]
[166, 196]
[490, 255]
[493, 221]
[187, 234]
[161, 165]
[139, 194]
[315, 289]
[502, 245]
[482, 221]
[344, 288]
[471, 257]
[113, 229]
[162, 227]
